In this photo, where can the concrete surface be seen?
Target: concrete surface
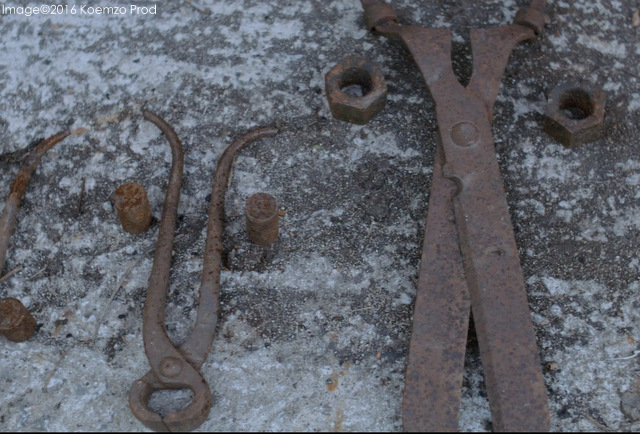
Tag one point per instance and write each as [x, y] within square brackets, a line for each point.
[314, 331]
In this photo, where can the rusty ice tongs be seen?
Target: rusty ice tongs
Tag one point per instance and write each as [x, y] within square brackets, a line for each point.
[470, 258]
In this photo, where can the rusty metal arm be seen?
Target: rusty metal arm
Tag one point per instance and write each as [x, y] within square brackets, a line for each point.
[169, 368]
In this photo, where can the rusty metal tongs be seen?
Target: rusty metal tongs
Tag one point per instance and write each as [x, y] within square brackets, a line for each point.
[469, 257]
[177, 367]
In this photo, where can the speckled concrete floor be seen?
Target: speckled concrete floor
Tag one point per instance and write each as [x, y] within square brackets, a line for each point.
[313, 331]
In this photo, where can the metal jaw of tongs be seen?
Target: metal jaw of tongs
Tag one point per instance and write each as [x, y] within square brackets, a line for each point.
[178, 367]
[469, 257]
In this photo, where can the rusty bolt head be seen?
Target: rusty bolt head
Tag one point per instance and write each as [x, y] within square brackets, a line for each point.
[575, 113]
[16, 322]
[355, 71]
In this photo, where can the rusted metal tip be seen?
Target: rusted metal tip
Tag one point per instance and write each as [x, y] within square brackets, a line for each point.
[531, 18]
[377, 14]
[9, 214]
[147, 114]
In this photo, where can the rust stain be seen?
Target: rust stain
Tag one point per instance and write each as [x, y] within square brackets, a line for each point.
[108, 119]
[79, 131]
[337, 427]
[332, 382]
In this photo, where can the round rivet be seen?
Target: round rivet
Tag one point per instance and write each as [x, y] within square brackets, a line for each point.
[464, 134]
[170, 366]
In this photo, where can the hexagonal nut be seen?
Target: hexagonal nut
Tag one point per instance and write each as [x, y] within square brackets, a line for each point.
[575, 113]
[359, 72]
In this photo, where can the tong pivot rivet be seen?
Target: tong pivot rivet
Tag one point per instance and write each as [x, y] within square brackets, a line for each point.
[464, 134]
[170, 366]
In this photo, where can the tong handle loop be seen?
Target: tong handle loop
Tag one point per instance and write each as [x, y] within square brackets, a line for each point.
[187, 419]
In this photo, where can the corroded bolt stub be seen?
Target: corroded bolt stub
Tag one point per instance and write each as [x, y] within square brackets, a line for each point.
[358, 72]
[261, 213]
[133, 207]
[575, 113]
[16, 322]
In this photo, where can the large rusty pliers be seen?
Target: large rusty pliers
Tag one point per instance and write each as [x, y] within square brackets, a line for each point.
[178, 367]
[469, 258]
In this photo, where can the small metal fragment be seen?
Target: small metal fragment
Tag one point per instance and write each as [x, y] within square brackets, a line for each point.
[262, 219]
[575, 113]
[358, 71]
[9, 215]
[133, 207]
[16, 322]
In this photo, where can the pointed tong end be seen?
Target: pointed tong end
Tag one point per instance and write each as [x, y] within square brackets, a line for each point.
[531, 18]
[378, 15]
